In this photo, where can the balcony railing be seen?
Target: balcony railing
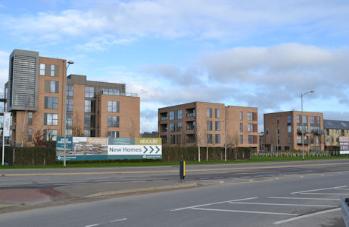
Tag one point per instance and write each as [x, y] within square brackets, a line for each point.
[119, 94]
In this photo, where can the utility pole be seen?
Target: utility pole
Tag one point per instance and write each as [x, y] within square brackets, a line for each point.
[302, 123]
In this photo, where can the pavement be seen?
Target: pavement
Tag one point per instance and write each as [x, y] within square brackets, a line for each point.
[260, 194]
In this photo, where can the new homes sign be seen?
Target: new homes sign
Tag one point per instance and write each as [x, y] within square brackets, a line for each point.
[140, 151]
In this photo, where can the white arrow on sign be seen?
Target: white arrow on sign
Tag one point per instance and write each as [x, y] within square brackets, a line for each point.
[151, 149]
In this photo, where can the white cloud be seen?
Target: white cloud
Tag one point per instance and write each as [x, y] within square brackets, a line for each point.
[199, 19]
[4, 56]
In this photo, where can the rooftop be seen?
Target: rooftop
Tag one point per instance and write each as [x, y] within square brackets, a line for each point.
[335, 124]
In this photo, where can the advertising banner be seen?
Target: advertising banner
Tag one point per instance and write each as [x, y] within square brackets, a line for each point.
[60, 143]
[344, 145]
[103, 148]
[7, 124]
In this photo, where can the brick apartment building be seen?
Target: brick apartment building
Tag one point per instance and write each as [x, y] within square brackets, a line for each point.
[35, 96]
[333, 130]
[208, 125]
[283, 131]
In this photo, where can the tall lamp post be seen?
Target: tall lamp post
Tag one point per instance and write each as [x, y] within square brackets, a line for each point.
[302, 96]
[65, 112]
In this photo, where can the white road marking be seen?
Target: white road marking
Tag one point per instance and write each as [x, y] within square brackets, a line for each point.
[209, 204]
[324, 193]
[280, 204]
[244, 211]
[302, 198]
[93, 225]
[306, 216]
[118, 220]
[318, 189]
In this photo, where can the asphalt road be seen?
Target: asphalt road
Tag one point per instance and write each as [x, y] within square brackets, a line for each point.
[10, 178]
[307, 197]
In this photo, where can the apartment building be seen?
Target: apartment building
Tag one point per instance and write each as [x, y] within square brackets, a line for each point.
[208, 125]
[38, 93]
[333, 130]
[283, 131]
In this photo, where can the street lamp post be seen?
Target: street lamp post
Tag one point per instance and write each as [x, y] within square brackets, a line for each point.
[65, 112]
[302, 96]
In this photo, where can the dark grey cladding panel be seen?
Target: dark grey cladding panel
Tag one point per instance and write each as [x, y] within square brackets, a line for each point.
[24, 66]
[334, 124]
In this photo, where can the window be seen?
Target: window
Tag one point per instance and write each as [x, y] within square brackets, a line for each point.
[30, 134]
[172, 127]
[53, 70]
[30, 118]
[69, 122]
[70, 90]
[113, 106]
[113, 121]
[110, 91]
[250, 116]
[250, 127]
[88, 106]
[51, 86]
[50, 135]
[218, 125]
[89, 92]
[70, 105]
[289, 119]
[218, 138]
[241, 116]
[241, 139]
[209, 126]
[172, 116]
[289, 128]
[217, 113]
[209, 112]
[51, 102]
[241, 127]
[179, 114]
[50, 119]
[114, 134]
[209, 139]
[251, 139]
[69, 132]
[42, 69]
[179, 126]
[87, 121]
[304, 120]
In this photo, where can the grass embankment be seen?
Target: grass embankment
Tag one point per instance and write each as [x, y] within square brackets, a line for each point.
[144, 163]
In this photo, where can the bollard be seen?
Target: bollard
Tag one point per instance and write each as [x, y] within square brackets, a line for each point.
[182, 169]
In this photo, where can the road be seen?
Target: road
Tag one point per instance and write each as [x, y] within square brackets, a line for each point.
[278, 194]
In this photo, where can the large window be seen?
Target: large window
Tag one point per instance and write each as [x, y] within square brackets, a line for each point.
[179, 114]
[110, 91]
[209, 139]
[241, 116]
[113, 106]
[172, 127]
[172, 114]
[217, 113]
[250, 116]
[30, 134]
[241, 127]
[51, 86]
[209, 112]
[89, 92]
[209, 126]
[218, 138]
[179, 126]
[113, 121]
[88, 106]
[241, 139]
[114, 134]
[69, 121]
[251, 139]
[218, 125]
[53, 70]
[70, 105]
[42, 69]
[250, 127]
[51, 102]
[70, 90]
[51, 119]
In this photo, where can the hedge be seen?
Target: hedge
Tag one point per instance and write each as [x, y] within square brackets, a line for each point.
[30, 155]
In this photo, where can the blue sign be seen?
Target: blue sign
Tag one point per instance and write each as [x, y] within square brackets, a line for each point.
[68, 143]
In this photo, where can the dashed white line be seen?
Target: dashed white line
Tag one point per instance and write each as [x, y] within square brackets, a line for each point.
[303, 198]
[305, 216]
[281, 204]
[93, 225]
[244, 211]
[318, 189]
[324, 193]
[118, 220]
[209, 204]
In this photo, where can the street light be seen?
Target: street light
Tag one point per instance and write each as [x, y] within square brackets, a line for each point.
[302, 95]
[69, 62]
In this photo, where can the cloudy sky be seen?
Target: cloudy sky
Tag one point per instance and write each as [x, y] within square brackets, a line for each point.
[256, 53]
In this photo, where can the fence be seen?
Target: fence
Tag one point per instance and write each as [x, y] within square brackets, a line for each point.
[29, 156]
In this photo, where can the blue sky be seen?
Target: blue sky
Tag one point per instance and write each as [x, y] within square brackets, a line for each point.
[258, 53]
